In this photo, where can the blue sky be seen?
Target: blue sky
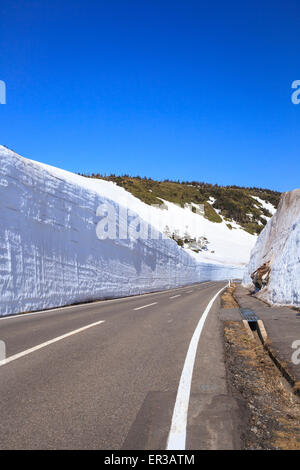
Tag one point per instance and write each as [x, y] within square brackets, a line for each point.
[186, 90]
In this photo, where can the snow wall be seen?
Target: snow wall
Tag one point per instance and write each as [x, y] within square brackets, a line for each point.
[279, 245]
[50, 254]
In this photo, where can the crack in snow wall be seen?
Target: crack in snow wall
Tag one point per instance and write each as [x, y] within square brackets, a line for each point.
[50, 255]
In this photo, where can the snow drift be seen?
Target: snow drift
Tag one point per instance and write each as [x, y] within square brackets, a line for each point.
[275, 259]
[51, 256]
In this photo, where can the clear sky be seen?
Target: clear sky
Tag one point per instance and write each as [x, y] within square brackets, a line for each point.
[179, 89]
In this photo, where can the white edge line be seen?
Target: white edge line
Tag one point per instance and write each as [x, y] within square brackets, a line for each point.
[174, 296]
[177, 434]
[47, 343]
[144, 306]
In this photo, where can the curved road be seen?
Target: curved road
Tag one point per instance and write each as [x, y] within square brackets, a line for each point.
[113, 382]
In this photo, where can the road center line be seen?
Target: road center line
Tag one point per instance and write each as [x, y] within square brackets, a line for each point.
[144, 306]
[43, 313]
[47, 343]
[174, 296]
[177, 434]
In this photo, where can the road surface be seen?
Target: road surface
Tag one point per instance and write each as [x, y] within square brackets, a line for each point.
[105, 375]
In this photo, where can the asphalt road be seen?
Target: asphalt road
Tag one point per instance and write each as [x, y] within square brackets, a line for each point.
[112, 384]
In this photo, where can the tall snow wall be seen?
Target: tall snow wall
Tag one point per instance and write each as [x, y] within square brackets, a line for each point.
[50, 254]
[277, 254]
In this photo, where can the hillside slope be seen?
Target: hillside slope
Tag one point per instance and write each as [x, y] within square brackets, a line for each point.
[250, 208]
[225, 233]
[274, 267]
[50, 254]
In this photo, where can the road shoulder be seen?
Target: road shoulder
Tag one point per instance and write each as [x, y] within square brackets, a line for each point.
[273, 410]
[215, 414]
[282, 331]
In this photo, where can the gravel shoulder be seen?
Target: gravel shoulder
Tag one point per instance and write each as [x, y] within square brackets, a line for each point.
[272, 418]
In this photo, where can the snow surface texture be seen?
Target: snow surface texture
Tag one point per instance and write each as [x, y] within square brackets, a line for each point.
[279, 243]
[265, 205]
[229, 247]
[49, 251]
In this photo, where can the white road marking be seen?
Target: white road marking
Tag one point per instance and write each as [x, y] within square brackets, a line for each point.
[47, 343]
[177, 434]
[144, 306]
[92, 304]
[174, 296]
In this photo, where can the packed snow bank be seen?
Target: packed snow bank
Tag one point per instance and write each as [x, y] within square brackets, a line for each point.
[225, 246]
[275, 259]
[50, 254]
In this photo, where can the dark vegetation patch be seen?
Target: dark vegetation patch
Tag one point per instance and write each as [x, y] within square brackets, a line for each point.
[227, 299]
[233, 202]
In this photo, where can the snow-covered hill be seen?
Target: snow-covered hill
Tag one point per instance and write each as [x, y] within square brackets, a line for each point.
[222, 245]
[275, 259]
[224, 233]
[243, 208]
[50, 254]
